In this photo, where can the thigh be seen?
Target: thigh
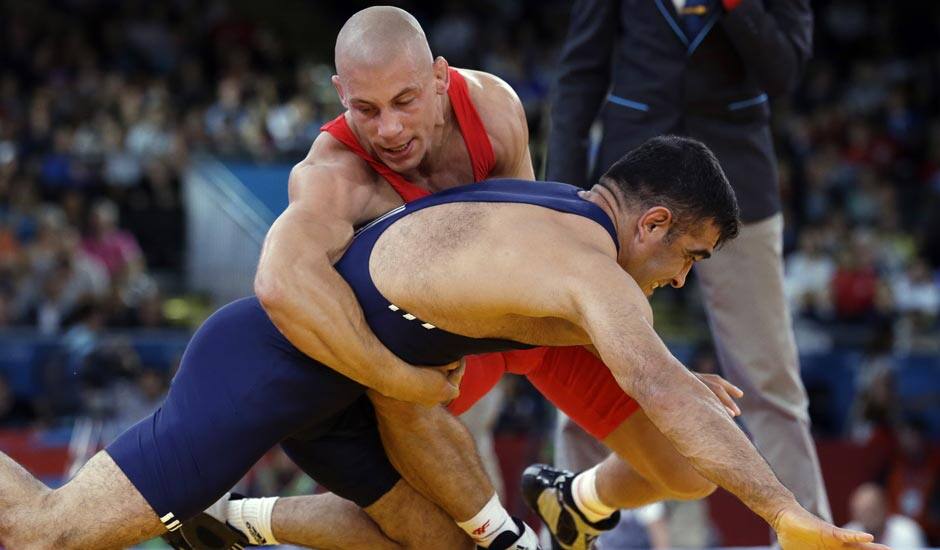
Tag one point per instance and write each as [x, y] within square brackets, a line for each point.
[652, 455]
[580, 385]
[348, 457]
[415, 522]
[239, 391]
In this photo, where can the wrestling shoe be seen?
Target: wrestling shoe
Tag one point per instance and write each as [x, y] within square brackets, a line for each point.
[507, 540]
[205, 531]
[547, 491]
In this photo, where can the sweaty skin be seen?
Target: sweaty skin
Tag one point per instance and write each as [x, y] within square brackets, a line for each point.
[557, 279]
[394, 96]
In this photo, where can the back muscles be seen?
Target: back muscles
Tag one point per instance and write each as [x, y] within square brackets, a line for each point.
[494, 270]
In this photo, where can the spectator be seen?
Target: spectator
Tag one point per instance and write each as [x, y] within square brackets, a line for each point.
[914, 477]
[53, 304]
[116, 249]
[809, 272]
[856, 284]
[870, 514]
[916, 294]
[15, 411]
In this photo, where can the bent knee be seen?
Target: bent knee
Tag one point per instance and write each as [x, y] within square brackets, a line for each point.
[689, 486]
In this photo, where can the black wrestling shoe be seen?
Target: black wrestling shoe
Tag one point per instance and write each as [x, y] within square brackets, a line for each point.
[507, 540]
[204, 532]
[547, 491]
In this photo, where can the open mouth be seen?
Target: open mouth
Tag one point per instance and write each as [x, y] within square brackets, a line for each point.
[401, 150]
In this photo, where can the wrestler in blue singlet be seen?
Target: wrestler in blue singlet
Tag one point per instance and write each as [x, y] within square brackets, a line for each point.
[243, 388]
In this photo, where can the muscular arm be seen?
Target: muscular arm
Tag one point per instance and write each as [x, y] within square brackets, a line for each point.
[503, 115]
[312, 305]
[419, 440]
[572, 276]
[680, 406]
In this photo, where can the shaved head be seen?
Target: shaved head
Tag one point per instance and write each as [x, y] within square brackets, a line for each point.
[394, 92]
[376, 35]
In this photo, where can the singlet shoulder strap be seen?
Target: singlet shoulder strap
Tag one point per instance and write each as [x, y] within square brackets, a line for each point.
[471, 127]
[339, 129]
[479, 147]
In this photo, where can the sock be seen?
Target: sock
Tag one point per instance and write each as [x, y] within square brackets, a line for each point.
[252, 516]
[584, 492]
[489, 522]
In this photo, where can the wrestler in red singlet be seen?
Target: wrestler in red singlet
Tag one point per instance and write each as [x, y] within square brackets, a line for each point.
[572, 378]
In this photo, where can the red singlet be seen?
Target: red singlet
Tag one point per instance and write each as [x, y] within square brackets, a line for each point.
[572, 378]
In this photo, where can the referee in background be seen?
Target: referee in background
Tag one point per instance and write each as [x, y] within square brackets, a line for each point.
[704, 69]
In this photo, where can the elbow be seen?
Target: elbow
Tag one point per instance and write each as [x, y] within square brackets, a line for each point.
[268, 291]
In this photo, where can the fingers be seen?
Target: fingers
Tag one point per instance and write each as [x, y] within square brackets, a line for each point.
[726, 400]
[733, 390]
[725, 391]
[847, 535]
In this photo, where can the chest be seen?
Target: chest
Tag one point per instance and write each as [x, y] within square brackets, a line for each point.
[451, 167]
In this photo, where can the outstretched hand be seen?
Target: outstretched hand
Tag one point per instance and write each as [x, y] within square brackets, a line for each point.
[797, 529]
[724, 390]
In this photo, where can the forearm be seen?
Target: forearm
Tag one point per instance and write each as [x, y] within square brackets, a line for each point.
[419, 440]
[695, 421]
[318, 313]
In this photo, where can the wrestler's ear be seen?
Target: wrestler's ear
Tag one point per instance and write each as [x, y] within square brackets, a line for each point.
[441, 75]
[339, 90]
[656, 221]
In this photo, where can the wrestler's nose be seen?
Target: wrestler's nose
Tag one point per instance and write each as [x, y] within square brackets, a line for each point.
[679, 280]
[389, 125]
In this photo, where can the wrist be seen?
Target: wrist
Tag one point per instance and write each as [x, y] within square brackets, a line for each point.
[778, 512]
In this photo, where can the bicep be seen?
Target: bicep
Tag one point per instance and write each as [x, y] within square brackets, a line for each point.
[612, 309]
[318, 223]
[510, 133]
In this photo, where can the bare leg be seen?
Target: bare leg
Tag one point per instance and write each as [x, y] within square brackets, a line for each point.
[99, 508]
[415, 522]
[435, 454]
[646, 468]
[480, 421]
[339, 524]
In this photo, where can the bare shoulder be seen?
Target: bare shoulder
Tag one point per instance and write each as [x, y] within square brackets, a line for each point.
[501, 111]
[584, 251]
[331, 177]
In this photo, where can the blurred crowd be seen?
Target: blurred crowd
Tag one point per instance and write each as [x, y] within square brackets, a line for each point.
[860, 173]
[103, 103]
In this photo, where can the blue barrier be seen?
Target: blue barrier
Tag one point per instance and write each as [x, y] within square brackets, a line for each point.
[830, 378]
[24, 352]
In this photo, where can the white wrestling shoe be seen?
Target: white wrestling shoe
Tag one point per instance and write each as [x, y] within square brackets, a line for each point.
[547, 491]
[507, 540]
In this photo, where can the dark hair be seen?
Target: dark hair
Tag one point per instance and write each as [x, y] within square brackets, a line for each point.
[681, 174]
